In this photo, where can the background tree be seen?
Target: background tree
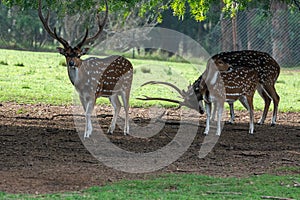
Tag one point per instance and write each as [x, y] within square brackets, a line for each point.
[257, 24]
[280, 36]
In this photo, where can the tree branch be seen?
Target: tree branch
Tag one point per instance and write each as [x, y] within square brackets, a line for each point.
[297, 4]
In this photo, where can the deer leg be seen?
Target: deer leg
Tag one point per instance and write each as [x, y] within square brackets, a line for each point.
[208, 113]
[250, 104]
[271, 91]
[232, 116]
[220, 107]
[267, 101]
[88, 113]
[247, 101]
[83, 103]
[89, 107]
[231, 107]
[213, 115]
[125, 99]
[244, 102]
[114, 100]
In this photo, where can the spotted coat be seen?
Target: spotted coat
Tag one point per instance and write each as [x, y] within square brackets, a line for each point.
[103, 77]
[268, 69]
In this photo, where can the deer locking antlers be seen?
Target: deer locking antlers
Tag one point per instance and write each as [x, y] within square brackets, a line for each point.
[231, 76]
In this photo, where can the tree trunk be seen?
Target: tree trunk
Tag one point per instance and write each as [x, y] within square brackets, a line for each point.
[226, 32]
[234, 33]
[251, 32]
[280, 32]
[234, 29]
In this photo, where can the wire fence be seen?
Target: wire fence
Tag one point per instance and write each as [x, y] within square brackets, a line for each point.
[279, 36]
[275, 33]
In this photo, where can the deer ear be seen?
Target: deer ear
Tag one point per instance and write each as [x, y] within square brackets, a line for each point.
[84, 51]
[61, 51]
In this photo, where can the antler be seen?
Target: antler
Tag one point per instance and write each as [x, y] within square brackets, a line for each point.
[45, 22]
[86, 40]
[181, 92]
[189, 98]
[159, 99]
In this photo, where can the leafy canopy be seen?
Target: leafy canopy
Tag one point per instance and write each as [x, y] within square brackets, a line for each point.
[198, 9]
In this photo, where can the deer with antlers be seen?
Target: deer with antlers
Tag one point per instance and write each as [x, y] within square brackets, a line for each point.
[231, 76]
[94, 77]
[268, 71]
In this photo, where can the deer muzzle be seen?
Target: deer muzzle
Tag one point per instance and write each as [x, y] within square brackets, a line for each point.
[71, 63]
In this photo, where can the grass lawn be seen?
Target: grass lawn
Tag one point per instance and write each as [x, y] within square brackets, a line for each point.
[186, 186]
[33, 77]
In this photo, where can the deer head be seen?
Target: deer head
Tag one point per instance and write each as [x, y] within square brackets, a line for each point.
[190, 98]
[72, 54]
[193, 96]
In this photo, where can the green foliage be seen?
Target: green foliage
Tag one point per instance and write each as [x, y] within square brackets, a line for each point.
[179, 8]
[197, 8]
[232, 6]
[82, 6]
[186, 186]
[78, 5]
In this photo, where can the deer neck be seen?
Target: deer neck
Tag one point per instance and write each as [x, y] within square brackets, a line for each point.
[73, 74]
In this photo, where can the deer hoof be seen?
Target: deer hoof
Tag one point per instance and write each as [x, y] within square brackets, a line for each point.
[86, 136]
[88, 132]
[273, 124]
[260, 122]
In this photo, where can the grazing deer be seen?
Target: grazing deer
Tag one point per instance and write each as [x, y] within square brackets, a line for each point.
[216, 87]
[94, 77]
[220, 86]
[268, 71]
[258, 67]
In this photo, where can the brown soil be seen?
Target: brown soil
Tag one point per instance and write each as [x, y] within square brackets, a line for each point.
[41, 151]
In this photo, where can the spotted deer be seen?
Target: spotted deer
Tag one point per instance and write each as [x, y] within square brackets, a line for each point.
[94, 77]
[240, 73]
[268, 71]
[218, 87]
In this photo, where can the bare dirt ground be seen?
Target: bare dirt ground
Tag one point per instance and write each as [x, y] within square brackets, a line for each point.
[41, 151]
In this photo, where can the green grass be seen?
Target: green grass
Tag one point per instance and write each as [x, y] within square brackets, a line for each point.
[187, 186]
[31, 77]
[34, 77]
[288, 88]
